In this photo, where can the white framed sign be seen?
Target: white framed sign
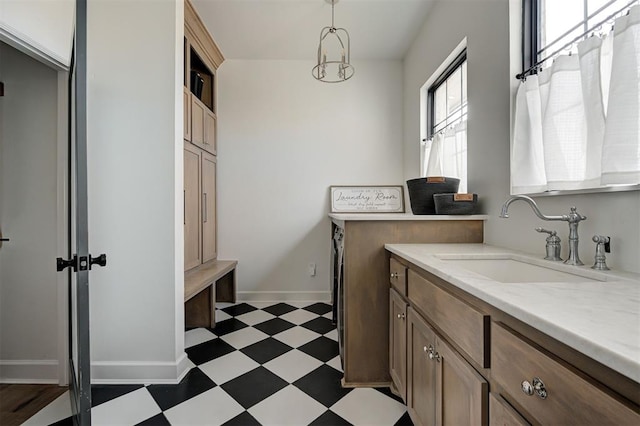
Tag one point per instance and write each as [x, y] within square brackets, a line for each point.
[367, 199]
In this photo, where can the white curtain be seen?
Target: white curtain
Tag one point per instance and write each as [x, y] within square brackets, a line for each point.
[447, 154]
[577, 123]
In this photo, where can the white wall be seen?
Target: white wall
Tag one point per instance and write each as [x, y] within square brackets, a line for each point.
[283, 139]
[135, 92]
[490, 84]
[28, 216]
[40, 28]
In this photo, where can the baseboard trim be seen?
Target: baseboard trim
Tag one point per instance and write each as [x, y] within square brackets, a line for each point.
[41, 371]
[280, 296]
[134, 372]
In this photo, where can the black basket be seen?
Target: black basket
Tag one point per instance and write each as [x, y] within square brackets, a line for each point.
[421, 192]
[455, 203]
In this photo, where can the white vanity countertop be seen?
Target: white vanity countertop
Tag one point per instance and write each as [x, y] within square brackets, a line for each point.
[598, 319]
[403, 216]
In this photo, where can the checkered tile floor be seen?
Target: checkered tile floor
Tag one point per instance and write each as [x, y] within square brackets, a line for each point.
[263, 364]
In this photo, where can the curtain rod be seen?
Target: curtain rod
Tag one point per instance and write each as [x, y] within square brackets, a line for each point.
[534, 68]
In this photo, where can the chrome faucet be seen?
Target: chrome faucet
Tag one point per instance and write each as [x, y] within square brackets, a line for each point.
[573, 218]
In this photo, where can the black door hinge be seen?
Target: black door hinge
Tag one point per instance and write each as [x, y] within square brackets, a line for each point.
[80, 264]
[62, 264]
[100, 260]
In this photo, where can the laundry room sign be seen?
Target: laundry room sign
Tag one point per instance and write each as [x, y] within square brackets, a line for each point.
[367, 199]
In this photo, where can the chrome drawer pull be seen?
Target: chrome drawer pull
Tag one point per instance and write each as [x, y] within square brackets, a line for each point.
[394, 275]
[401, 316]
[537, 387]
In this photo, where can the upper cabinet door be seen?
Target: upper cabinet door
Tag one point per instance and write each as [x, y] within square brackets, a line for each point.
[186, 100]
[42, 29]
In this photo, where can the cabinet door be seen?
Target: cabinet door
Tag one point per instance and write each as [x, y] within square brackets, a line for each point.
[210, 131]
[197, 121]
[421, 371]
[192, 220]
[186, 101]
[462, 396]
[208, 207]
[398, 342]
[502, 414]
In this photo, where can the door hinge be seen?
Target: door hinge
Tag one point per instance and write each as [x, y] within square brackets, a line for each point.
[82, 263]
[62, 264]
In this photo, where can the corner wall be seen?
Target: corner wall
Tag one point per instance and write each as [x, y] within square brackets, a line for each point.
[283, 139]
[491, 86]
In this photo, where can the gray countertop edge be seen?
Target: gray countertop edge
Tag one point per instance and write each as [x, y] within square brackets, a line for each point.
[600, 319]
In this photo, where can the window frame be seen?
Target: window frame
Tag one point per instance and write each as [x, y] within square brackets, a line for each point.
[448, 71]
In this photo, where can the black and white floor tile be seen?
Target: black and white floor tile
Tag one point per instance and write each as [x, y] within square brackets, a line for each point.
[263, 364]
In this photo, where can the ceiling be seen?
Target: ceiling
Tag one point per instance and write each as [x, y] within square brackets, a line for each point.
[290, 29]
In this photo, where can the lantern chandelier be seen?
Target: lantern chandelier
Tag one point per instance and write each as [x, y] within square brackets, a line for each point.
[338, 68]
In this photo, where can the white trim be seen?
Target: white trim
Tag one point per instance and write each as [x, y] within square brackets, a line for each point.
[135, 372]
[32, 48]
[279, 296]
[29, 371]
[62, 226]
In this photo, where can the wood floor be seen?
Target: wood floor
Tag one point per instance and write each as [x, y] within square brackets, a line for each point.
[19, 402]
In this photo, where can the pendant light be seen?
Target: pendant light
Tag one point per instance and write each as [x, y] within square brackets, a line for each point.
[334, 42]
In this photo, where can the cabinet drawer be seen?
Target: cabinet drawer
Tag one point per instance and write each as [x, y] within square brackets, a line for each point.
[398, 277]
[463, 324]
[570, 398]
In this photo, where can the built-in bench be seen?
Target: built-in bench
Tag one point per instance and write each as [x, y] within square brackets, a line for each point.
[211, 282]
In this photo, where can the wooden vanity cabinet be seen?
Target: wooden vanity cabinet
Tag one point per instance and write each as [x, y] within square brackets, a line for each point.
[364, 294]
[421, 371]
[457, 347]
[442, 388]
[557, 393]
[398, 342]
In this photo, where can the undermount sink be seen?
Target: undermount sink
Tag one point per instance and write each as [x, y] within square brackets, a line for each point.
[507, 269]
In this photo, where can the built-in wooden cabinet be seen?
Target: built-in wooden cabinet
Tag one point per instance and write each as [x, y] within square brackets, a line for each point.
[363, 291]
[208, 200]
[192, 206]
[459, 348]
[186, 101]
[201, 60]
[203, 125]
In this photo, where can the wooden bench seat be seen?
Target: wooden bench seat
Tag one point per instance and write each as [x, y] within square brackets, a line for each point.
[211, 282]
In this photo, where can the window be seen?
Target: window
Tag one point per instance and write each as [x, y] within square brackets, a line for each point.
[447, 97]
[553, 27]
[445, 142]
[575, 128]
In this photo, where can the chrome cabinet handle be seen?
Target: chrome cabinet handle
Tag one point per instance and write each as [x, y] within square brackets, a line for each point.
[536, 386]
[394, 275]
[401, 316]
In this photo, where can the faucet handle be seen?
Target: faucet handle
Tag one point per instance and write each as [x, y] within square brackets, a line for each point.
[542, 230]
[553, 244]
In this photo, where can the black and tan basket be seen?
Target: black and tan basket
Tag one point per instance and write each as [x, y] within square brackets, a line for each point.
[421, 191]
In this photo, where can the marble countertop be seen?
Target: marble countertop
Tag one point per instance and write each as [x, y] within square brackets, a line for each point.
[600, 319]
[403, 216]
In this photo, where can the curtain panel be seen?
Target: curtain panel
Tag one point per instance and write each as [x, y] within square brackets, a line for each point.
[577, 123]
